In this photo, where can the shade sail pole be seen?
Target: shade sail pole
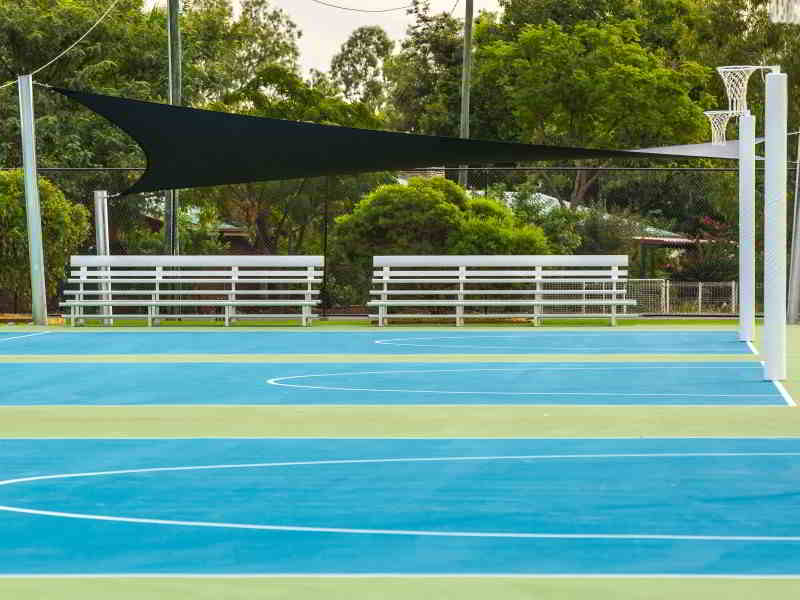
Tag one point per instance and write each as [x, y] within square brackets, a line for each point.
[172, 201]
[32, 208]
[466, 77]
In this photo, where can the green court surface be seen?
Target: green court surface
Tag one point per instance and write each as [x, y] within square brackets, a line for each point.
[350, 588]
[404, 421]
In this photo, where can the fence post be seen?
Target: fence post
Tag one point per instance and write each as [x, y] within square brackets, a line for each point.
[667, 293]
[733, 297]
[699, 297]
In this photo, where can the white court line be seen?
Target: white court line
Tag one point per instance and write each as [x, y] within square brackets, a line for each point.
[408, 532]
[19, 337]
[752, 348]
[400, 532]
[280, 382]
[526, 337]
[784, 393]
[246, 575]
[413, 438]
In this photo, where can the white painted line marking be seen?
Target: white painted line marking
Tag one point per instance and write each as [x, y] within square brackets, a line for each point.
[525, 337]
[752, 348]
[280, 382]
[401, 532]
[246, 575]
[407, 532]
[785, 393]
[19, 337]
[413, 438]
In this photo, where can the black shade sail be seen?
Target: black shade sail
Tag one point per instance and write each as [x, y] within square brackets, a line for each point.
[188, 148]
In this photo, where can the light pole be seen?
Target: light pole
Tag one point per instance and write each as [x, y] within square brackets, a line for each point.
[466, 71]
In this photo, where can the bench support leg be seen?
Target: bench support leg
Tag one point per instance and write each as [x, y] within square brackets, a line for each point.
[381, 316]
[227, 315]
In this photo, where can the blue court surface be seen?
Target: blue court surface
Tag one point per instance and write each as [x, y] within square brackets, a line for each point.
[670, 383]
[400, 506]
[375, 342]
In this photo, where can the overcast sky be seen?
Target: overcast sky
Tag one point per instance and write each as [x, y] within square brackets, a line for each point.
[326, 29]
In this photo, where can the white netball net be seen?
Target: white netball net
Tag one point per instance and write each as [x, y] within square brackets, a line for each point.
[784, 11]
[735, 80]
[719, 124]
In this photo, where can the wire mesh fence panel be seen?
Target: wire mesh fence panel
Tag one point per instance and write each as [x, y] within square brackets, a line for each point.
[650, 295]
[698, 297]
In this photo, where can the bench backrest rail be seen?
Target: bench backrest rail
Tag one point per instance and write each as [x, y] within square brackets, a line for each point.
[157, 277]
[408, 278]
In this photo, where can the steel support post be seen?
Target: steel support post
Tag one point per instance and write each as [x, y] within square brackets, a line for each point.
[466, 71]
[102, 243]
[32, 208]
[794, 263]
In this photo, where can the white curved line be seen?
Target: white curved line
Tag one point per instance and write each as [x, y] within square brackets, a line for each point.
[520, 337]
[405, 532]
[279, 381]
[396, 532]
[19, 337]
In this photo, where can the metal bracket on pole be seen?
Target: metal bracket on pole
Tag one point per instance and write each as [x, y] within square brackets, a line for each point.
[32, 208]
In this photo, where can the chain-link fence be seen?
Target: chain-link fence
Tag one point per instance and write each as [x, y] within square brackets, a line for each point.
[662, 296]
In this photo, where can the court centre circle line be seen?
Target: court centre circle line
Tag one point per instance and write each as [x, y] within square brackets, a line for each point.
[399, 532]
[279, 382]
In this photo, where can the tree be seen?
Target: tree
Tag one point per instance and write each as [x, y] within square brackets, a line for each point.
[604, 233]
[427, 216]
[358, 67]
[596, 86]
[199, 235]
[281, 215]
[559, 223]
[425, 76]
[126, 55]
[65, 226]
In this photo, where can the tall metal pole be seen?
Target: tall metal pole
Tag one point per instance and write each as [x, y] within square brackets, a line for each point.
[794, 263]
[102, 242]
[775, 227]
[172, 208]
[466, 72]
[32, 210]
[747, 227]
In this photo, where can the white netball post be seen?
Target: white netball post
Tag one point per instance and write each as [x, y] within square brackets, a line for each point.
[747, 216]
[775, 227]
[747, 227]
[735, 79]
[774, 346]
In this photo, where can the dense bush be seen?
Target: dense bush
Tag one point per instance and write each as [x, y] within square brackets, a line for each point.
[65, 226]
[427, 216]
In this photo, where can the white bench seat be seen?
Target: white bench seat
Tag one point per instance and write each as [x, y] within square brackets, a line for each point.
[155, 282]
[595, 284]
